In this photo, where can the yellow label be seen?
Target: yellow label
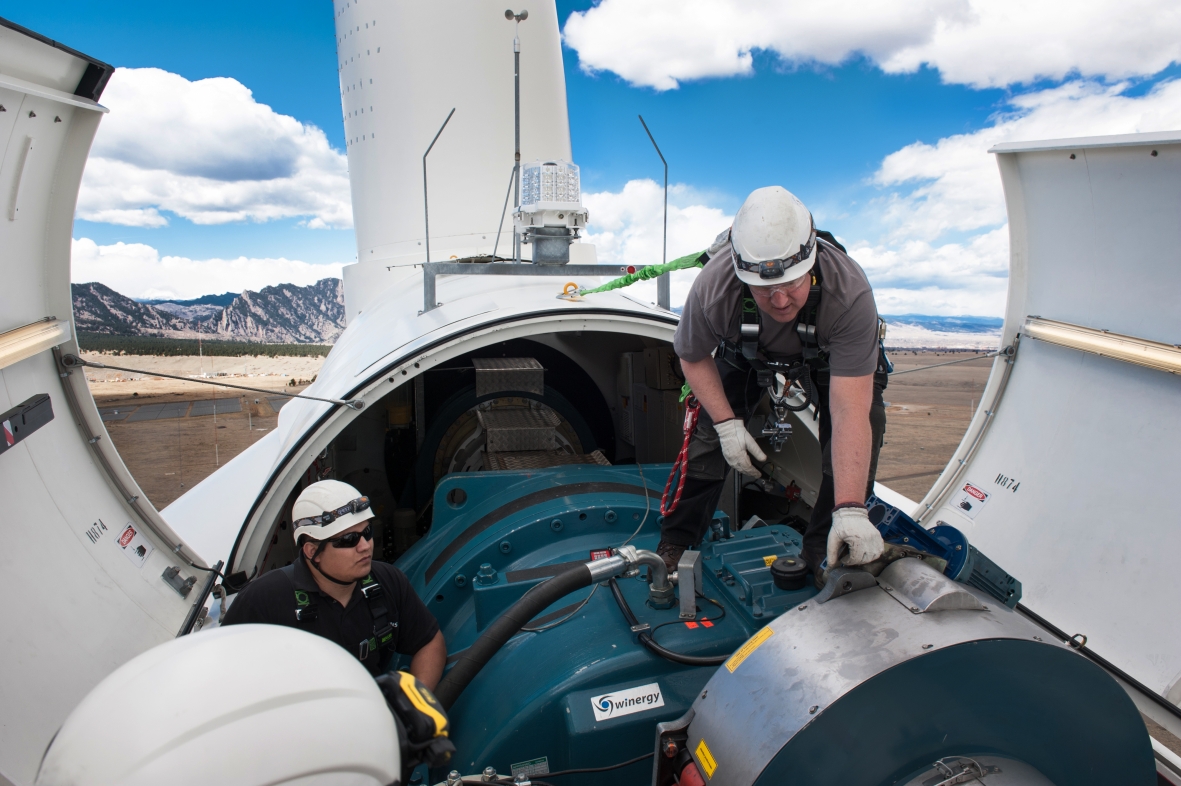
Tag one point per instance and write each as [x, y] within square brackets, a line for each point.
[745, 651]
[769, 559]
[706, 759]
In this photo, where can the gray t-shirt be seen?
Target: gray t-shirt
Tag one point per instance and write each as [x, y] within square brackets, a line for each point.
[847, 322]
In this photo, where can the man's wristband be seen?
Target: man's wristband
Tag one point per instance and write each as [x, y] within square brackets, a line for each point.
[849, 505]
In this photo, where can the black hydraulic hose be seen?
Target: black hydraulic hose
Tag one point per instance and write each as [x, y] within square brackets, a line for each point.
[475, 657]
[650, 643]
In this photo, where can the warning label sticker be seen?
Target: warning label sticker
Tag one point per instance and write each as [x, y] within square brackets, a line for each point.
[627, 702]
[706, 759]
[134, 545]
[970, 499]
[767, 560]
[745, 651]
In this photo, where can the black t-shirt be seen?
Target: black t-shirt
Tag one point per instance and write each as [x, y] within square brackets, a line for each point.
[271, 599]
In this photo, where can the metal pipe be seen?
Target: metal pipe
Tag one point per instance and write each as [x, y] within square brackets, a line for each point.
[425, 204]
[663, 285]
[657, 570]
[517, 18]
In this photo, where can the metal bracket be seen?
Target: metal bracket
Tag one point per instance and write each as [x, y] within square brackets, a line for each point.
[672, 737]
[776, 429]
[173, 579]
[688, 582]
[844, 581]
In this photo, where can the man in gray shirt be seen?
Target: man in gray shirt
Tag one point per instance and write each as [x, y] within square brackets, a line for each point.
[807, 302]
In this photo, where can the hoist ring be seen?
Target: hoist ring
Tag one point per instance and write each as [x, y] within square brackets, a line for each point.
[570, 289]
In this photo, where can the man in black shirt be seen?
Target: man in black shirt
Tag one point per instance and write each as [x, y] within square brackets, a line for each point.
[336, 590]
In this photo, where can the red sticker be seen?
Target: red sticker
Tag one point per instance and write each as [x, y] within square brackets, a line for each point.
[690, 625]
[707, 623]
[126, 537]
[975, 492]
[599, 554]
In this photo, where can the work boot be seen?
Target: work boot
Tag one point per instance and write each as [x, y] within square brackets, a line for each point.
[670, 553]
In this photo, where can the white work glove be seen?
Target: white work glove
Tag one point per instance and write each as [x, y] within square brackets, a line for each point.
[736, 443]
[851, 527]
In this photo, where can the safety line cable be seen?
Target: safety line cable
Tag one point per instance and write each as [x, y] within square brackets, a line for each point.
[998, 353]
[71, 361]
[649, 272]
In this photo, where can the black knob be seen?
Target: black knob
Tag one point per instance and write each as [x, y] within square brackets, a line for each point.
[789, 573]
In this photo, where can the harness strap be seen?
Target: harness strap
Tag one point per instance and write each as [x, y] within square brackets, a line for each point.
[307, 611]
[383, 629]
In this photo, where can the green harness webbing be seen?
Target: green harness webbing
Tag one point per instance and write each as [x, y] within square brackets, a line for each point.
[696, 259]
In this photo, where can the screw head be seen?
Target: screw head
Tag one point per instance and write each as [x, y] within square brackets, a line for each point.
[928, 646]
[801, 608]
[813, 708]
[556, 525]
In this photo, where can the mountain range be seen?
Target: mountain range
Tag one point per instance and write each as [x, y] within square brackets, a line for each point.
[199, 309]
[282, 314]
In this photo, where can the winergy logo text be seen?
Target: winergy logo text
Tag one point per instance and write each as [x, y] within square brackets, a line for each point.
[626, 702]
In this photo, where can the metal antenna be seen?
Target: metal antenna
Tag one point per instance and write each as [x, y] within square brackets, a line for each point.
[518, 18]
[663, 289]
[511, 179]
[425, 204]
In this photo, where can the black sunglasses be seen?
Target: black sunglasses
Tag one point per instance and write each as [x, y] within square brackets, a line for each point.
[329, 516]
[349, 540]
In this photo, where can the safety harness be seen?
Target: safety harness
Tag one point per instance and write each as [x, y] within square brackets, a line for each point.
[307, 612]
[745, 354]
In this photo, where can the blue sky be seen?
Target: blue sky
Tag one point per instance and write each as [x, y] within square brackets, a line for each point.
[879, 123]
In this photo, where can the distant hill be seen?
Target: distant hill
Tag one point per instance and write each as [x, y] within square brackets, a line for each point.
[287, 314]
[222, 300]
[960, 324]
[200, 309]
[284, 314]
[100, 309]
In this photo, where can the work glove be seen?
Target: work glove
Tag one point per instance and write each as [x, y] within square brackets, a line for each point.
[736, 444]
[851, 527]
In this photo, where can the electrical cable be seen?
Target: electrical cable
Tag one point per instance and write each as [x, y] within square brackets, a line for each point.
[717, 619]
[619, 766]
[578, 608]
[647, 641]
[647, 507]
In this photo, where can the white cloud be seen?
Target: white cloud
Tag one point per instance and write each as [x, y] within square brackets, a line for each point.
[138, 271]
[209, 152]
[627, 228]
[930, 191]
[660, 43]
[954, 182]
[953, 186]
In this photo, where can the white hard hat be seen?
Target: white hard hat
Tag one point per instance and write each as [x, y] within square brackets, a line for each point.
[243, 705]
[327, 508]
[773, 237]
